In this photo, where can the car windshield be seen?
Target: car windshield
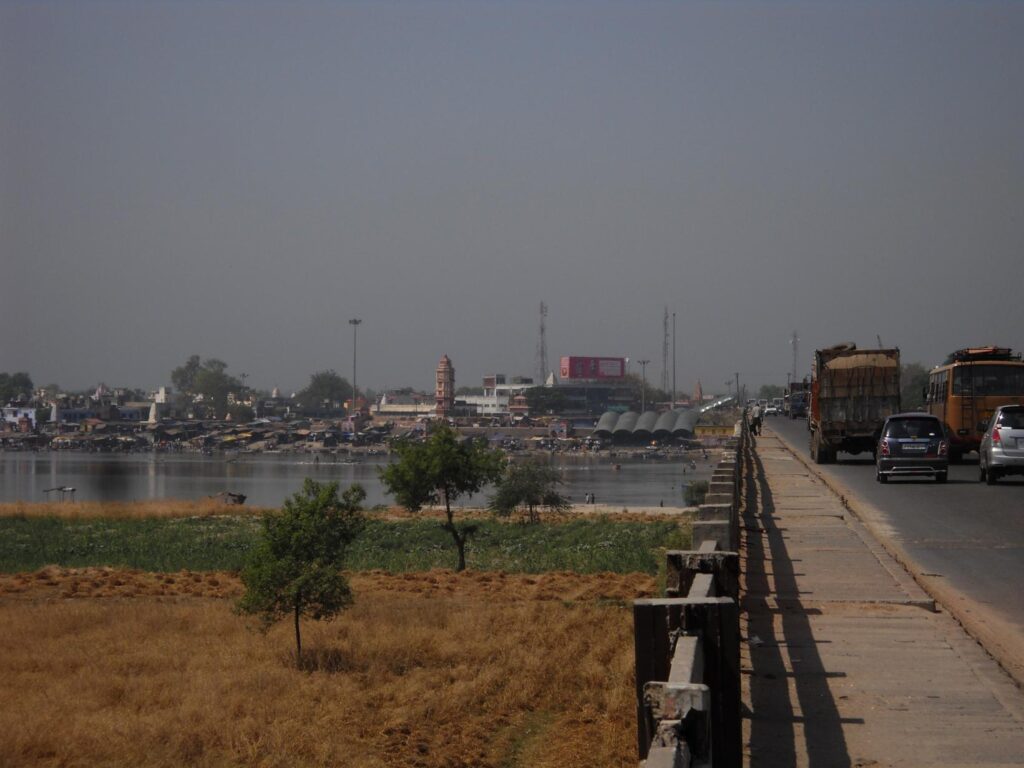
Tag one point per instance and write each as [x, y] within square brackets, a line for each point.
[1012, 418]
[914, 428]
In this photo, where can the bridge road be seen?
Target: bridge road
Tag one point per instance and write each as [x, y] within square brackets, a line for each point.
[846, 661]
[962, 541]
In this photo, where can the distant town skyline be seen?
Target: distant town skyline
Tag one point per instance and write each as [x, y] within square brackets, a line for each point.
[238, 181]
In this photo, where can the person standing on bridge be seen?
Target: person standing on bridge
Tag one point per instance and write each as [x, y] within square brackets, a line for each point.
[755, 419]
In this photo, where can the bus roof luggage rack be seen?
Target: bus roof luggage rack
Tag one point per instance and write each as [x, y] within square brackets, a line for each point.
[972, 354]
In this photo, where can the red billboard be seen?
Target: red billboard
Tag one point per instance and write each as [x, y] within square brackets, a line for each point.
[593, 367]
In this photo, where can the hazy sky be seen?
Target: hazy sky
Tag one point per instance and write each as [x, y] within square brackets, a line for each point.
[239, 179]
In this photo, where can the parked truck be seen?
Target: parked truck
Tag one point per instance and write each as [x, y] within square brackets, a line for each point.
[853, 391]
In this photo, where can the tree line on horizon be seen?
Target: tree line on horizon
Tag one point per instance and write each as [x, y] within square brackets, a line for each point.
[210, 379]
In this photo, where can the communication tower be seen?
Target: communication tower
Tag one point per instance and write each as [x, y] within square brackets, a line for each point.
[542, 345]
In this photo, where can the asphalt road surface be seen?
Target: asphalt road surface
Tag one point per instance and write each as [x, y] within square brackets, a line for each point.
[965, 536]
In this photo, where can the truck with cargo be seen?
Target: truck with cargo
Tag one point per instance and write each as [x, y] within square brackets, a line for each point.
[852, 393]
[795, 399]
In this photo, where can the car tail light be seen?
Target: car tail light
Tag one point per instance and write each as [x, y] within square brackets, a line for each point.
[996, 439]
[943, 448]
[885, 447]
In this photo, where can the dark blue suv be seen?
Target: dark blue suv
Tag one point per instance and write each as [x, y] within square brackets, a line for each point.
[912, 444]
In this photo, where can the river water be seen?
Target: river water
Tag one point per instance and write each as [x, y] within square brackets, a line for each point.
[268, 479]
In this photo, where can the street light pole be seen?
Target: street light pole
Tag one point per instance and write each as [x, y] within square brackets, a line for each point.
[673, 406]
[643, 385]
[354, 322]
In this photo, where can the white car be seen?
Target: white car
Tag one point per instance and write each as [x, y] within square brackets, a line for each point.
[771, 410]
[1002, 446]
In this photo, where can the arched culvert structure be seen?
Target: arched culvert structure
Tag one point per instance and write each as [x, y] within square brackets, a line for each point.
[686, 424]
[665, 424]
[644, 429]
[606, 425]
[624, 427]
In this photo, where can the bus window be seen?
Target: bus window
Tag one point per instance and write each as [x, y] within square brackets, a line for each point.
[980, 380]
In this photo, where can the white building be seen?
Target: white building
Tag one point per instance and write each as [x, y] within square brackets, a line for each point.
[498, 396]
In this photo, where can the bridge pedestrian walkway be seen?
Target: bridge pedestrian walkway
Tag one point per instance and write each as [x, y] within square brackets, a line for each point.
[845, 660]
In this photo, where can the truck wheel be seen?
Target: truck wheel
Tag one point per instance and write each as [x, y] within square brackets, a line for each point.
[881, 478]
[817, 452]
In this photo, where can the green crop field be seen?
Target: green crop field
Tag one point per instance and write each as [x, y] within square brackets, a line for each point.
[222, 542]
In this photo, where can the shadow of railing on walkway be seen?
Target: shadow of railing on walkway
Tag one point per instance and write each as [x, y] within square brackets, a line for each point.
[775, 629]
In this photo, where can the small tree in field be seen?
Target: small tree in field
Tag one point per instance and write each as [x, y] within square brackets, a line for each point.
[296, 565]
[441, 469]
[529, 484]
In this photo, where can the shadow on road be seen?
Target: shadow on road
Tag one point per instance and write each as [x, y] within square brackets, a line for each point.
[783, 653]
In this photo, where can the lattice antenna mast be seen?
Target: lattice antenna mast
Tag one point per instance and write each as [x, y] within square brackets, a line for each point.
[795, 343]
[542, 345]
[664, 353]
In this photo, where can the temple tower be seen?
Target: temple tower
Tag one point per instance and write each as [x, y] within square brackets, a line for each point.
[444, 394]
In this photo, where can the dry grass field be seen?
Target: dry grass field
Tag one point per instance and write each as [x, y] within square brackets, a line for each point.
[146, 509]
[111, 667]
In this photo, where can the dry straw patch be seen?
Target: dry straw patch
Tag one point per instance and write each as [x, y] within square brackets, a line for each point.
[436, 669]
[127, 510]
[176, 508]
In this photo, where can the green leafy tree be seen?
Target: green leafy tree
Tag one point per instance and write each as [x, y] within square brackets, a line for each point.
[530, 484]
[913, 381]
[653, 395]
[215, 385]
[295, 567]
[14, 386]
[324, 387]
[208, 378]
[545, 400]
[184, 376]
[440, 470]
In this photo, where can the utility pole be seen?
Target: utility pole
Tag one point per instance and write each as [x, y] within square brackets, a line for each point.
[737, 386]
[673, 361]
[795, 342]
[664, 352]
[354, 322]
[643, 385]
[542, 346]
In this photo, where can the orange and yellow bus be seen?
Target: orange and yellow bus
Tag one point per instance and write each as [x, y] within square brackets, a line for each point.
[967, 388]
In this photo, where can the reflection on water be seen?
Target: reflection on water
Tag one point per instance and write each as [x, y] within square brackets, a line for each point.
[268, 479]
